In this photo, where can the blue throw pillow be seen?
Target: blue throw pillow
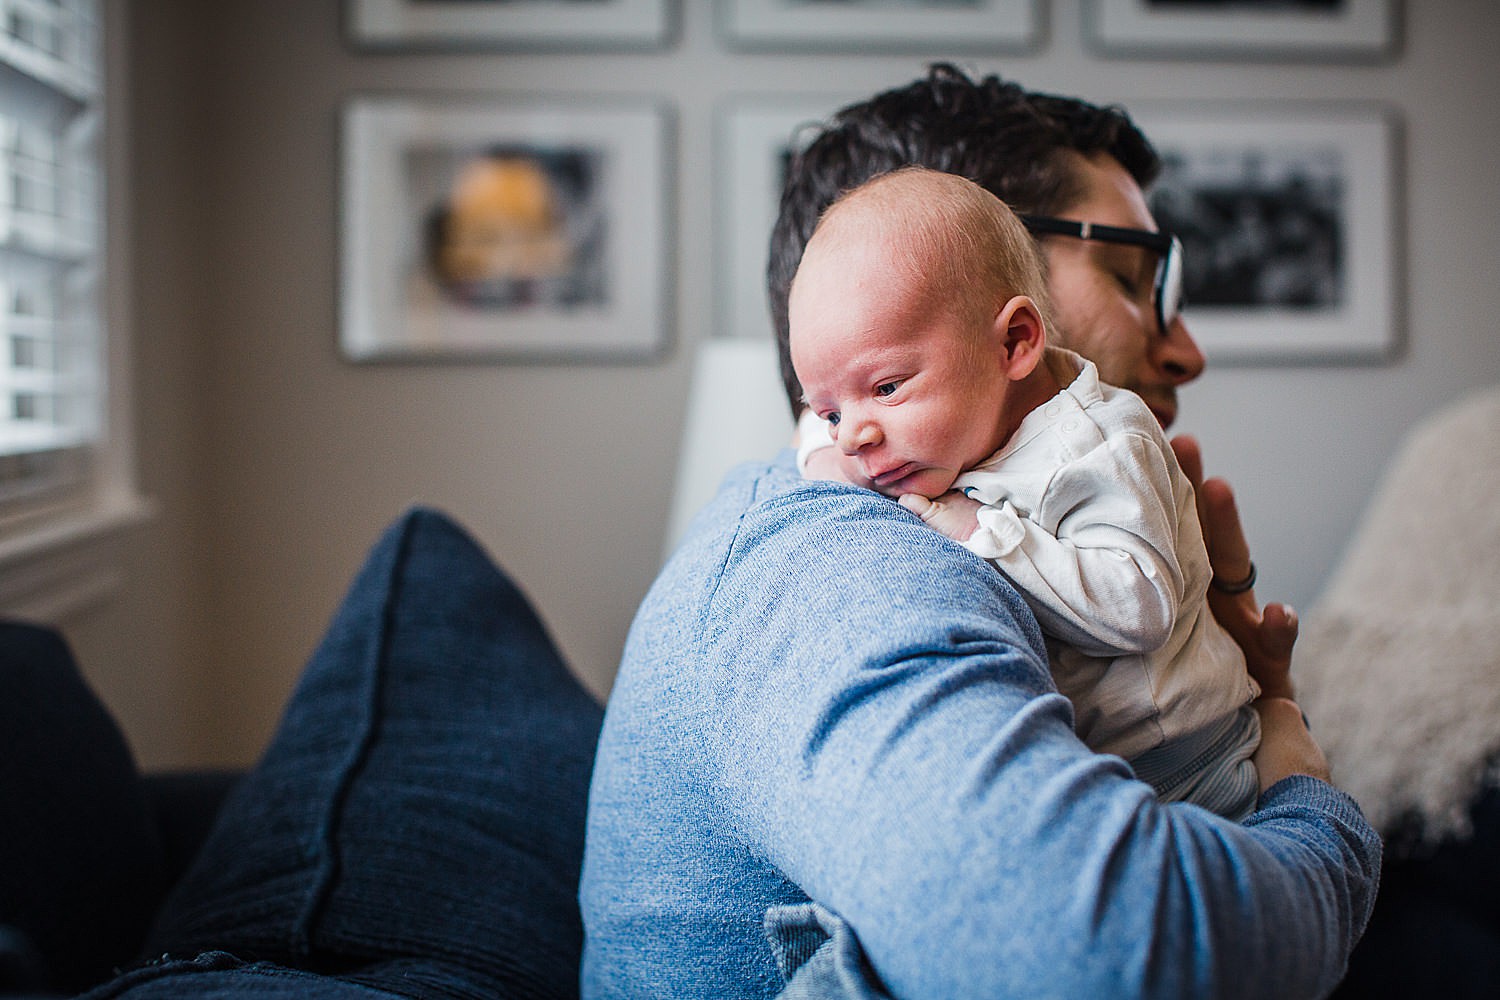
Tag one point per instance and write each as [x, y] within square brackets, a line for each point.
[423, 796]
[81, 868]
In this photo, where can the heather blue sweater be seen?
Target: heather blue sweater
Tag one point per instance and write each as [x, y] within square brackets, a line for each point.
[822, 698]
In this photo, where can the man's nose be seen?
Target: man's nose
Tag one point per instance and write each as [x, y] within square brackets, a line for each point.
[1179, 355]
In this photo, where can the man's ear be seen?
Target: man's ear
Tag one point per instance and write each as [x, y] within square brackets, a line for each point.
[1022, 335]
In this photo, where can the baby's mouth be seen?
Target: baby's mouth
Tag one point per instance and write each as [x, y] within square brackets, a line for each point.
[893, 475]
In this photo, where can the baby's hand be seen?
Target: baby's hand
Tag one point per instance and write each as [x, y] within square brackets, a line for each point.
[953, 513]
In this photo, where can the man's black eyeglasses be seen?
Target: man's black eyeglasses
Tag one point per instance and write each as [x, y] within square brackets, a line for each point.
[1166, 292]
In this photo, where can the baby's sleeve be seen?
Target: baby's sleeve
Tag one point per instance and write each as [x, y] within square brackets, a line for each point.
[812, 435]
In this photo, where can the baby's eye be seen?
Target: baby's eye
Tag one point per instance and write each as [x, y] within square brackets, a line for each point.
[887, 388]
[832, 418]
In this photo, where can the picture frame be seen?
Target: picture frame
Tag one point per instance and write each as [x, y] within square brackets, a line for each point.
[508, 24]
[755, 138]
[1321, 29]
[990, 26]
[481, 228]
[1288, 219]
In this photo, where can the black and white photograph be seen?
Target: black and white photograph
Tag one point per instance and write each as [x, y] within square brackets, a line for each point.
[503, 24]
[895, 25]
[1259, 228]
[1286, 223]
[483, 229]
[1273, 29]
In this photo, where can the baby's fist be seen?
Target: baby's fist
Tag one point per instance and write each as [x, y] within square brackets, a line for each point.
[954, 514]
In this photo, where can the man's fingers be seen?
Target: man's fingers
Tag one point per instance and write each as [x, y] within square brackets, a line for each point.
[1190, 458]
[1278, 629]
[1266, 635]
[1223, 533]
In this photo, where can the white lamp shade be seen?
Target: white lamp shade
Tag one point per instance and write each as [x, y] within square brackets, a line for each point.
[737, 411]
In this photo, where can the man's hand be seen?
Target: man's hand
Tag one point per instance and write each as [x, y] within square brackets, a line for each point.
[1286, 747]
[1266, 636]
[952, 513]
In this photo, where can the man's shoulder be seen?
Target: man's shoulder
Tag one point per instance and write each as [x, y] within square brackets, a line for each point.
[773, 504]
[775, 529]
[772, 499]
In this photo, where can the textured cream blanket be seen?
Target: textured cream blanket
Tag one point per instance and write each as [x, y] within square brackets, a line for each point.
[1398, 667]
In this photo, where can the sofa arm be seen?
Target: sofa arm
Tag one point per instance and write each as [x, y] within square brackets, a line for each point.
[184, 804]
[83, 871]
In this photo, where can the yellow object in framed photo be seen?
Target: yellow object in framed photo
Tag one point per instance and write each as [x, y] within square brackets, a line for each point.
[488, 229]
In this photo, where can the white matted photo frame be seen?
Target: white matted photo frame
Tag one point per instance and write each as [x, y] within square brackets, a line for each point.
[503, 24]
[896, 25]
[1284, 29]
[757, 137]
[1288, 220]
[489, 228]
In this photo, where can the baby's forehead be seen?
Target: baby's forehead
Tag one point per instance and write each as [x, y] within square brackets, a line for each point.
[885, 213]
[865, 240]
[865, 278]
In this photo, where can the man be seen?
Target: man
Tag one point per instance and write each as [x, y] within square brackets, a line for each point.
[864, 782]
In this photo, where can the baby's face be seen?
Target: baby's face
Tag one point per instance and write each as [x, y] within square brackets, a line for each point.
[913, 394]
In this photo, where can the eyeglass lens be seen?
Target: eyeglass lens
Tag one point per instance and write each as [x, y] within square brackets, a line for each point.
[1169, 287]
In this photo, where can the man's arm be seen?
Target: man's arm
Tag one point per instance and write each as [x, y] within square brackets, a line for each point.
[898, 750]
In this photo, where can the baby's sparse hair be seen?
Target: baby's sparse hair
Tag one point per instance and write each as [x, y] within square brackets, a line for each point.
[962, 248]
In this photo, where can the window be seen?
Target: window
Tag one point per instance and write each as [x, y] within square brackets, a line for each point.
[50, 235]
[57, 475]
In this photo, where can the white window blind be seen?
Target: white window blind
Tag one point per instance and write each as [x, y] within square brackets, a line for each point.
[51, 204]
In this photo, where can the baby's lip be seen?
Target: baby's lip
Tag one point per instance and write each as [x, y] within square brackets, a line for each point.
[892, 475]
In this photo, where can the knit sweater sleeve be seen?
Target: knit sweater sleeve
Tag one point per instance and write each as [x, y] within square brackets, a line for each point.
[889, 738]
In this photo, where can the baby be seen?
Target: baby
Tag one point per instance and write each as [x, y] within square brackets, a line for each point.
[918, 333]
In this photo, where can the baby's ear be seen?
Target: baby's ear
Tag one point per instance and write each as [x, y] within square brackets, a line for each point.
[1019, 327]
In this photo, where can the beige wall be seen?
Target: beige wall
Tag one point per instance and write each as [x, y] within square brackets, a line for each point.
[275, 463]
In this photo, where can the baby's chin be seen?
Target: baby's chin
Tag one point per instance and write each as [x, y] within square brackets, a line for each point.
[929, 483]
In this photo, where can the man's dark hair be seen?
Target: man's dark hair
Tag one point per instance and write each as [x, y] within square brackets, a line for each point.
[1016, 143]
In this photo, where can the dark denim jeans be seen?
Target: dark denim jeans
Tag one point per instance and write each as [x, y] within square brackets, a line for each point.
[220, 974]
[416, 825]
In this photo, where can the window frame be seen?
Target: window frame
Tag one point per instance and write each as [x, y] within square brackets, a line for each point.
[58, 556]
